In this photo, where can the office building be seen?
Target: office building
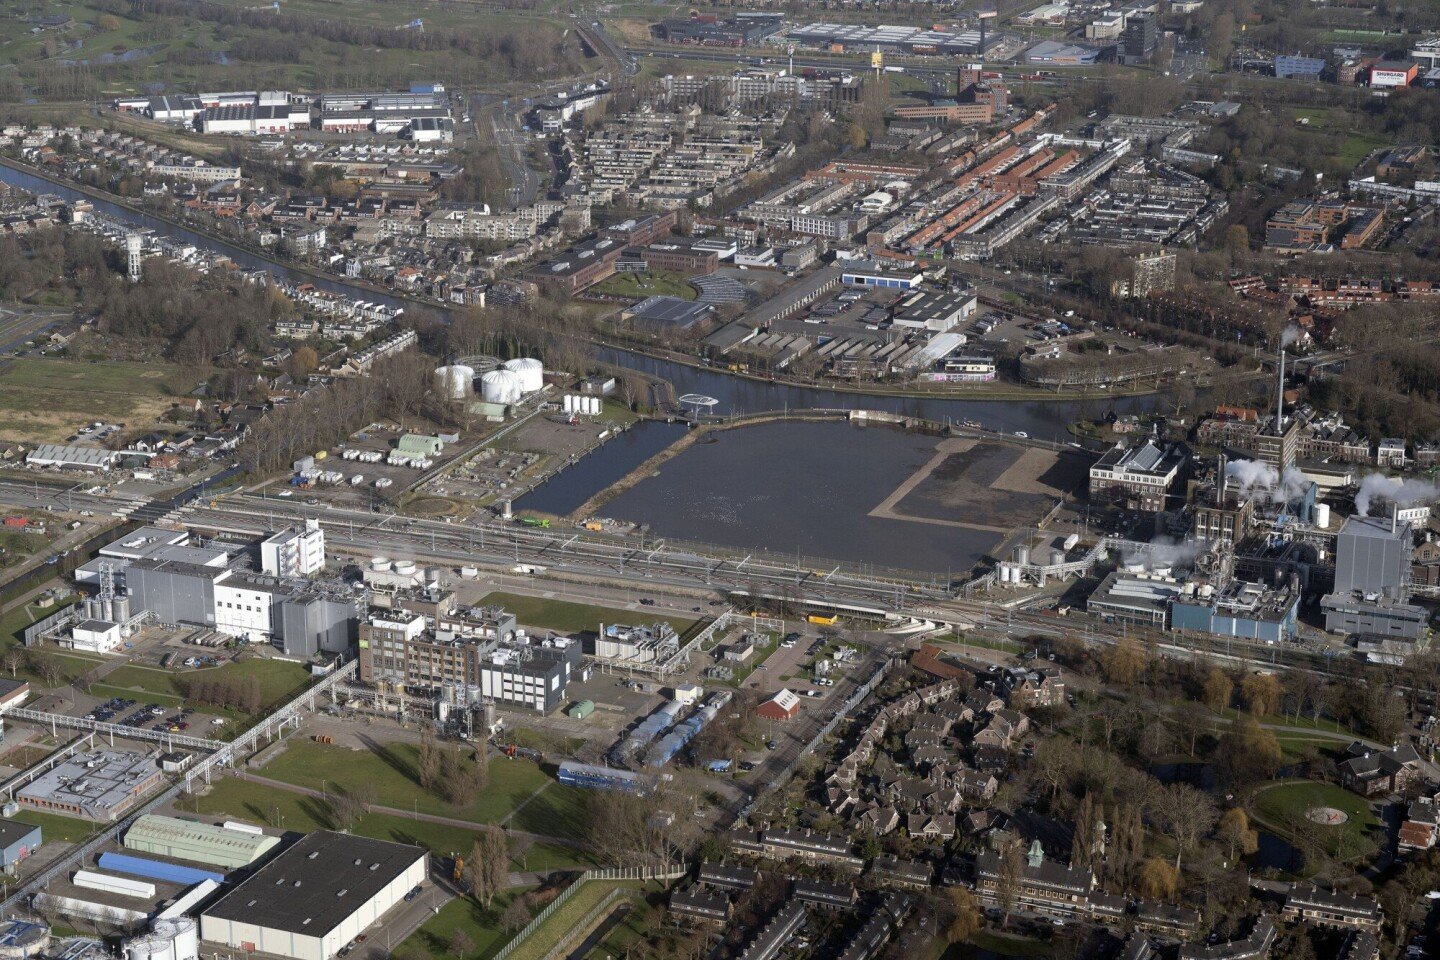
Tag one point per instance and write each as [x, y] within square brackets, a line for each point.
[1140, 476]
[1140, 37]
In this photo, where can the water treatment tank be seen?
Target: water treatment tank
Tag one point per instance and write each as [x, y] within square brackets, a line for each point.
[531, 373]
[380, 564]
[500, 386]
[455, 382]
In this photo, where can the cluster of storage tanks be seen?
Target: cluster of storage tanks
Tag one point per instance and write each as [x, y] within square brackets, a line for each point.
[113, 609]
[1013, 571]
[686, 731]
[653, 727]
[581, 406]
[514, 380]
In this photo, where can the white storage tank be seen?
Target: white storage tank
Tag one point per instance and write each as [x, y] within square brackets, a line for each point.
[1322, 514]
[380, 564]
[530, 371]
[405, 568]
[594, 404]
[500, 386]
[455, 382]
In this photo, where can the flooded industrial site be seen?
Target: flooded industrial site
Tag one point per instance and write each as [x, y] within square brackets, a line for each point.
[858, 494]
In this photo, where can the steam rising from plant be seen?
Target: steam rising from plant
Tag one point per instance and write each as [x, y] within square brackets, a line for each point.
[1256, 479]
[1402, 493]
[1289, 335]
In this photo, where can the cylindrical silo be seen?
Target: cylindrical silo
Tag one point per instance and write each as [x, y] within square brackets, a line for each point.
[531, 373]
[594, 404]
[455, 382]
[1057, 557]
[122, 609]
[187, 938]
[1022, 554]
[500, 386]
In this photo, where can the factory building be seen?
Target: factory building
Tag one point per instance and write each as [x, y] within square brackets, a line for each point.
[1140, 476]
[1239, 609]
[301, 619]
[315, 897]
[294, 552]
[620, 643]
[1372, 581]
[96, 786]
[197, 842]
[400, 651]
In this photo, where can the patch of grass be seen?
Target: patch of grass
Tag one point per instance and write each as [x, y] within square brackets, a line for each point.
[567, 617]
[638, 286]
[1302, 723]
[564, 920]
[280, 680]
[46, 399]
[55, 827]
[481, 926]
[391, 771]
[558, 811]
[1284, 805]
[285, 810]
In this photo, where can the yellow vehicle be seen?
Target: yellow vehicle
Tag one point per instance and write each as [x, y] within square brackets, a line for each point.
[822, 620]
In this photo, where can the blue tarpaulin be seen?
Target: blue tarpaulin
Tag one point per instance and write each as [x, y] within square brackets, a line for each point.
[156, 869]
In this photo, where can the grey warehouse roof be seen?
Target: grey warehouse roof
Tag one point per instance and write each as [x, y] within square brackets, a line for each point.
[314, 885]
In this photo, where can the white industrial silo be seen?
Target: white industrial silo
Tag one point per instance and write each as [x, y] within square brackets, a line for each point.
[187, 938]
[568, 404]
[500, 386]
[455, 382]
[594, 404]
[531, 373]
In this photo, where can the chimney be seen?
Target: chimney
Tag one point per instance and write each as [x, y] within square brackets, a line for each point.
[1280, 396]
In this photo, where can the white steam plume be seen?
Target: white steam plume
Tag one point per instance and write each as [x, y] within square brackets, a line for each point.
[1256, 479]
[1167, 552]
[1402, 493]
[1289, 335]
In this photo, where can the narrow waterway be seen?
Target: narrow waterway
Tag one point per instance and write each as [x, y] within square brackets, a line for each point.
[1040, 418]
[597, 470]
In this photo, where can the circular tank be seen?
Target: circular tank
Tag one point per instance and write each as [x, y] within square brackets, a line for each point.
[531, 372]
[122, 609]
[404, 567]
[20, 939]
[150, 946]
[500, 386]
[455, 382]
[380, 564]
[1057, 557]
[187, 938]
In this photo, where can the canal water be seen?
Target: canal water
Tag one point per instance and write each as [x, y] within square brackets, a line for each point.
[601, 467]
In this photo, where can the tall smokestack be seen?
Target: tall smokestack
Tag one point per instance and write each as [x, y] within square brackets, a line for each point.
[1280, 396]
[984, 22]
[1220, 482]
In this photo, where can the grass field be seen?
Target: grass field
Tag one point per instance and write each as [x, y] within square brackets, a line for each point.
[45, 400]
[567, 617]
[481, 926]
[53, 827]
[391, 771]
[1280, 806]
[179, 53]
[1335, 134]
[641, 285]
[284, 809]
[564, 920]
[280, 680]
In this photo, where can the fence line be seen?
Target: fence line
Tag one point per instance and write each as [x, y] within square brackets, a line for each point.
[599, 873]
[595, 914]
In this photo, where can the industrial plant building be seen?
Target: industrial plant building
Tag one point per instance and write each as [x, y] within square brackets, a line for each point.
[96, 786]
[400, 650]
[1372, 591]
[17, 841]
[294, 552]
[1141, 476]
[198, 842]
[315, 897]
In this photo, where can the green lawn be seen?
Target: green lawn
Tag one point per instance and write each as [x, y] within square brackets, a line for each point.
[564, 920]
[1334, 132]
[280, 680]
[567, 617]
[283, 809]
[638, 286]
[55, 827]
[1303, 723]
[558, 811]
[482, 926]
[391, 771]
[1282, 805]
[12, 629]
